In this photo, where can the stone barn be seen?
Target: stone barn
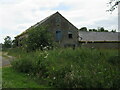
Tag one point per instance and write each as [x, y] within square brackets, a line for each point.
[110, 40]
[64, 32]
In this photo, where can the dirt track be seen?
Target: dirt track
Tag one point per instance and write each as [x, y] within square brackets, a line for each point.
[5, 60]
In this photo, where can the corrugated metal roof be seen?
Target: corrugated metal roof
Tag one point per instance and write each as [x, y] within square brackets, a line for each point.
[98, 36]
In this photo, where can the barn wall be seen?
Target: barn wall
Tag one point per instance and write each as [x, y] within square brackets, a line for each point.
[58, 22]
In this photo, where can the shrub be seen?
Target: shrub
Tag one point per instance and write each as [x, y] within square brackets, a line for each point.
[79, 68]
[23, 64]
[38, 37]
[33, 62]
[40, 63]
[115, 60]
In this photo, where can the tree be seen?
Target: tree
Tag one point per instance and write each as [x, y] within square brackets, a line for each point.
[90, 30]
[113, 31]
[101, 29]
[14, 43]
[106, 31]
[7, 42]
[83, 29]
[113, 4]
[38, 37]
[94, 30]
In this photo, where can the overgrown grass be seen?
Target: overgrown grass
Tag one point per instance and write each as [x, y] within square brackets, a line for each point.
[79, 68]
[13, 79]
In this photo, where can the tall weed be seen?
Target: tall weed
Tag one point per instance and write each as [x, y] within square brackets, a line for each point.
[79, 68]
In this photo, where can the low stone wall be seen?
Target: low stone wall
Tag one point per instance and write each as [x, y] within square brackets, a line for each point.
[101, 45]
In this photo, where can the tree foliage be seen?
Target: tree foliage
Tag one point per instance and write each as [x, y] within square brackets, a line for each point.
[38, 38]
[7, 42]
[113, 31]
[15, 43]
[83, 29]
[113, 4]
[94, 30]
[100, 29]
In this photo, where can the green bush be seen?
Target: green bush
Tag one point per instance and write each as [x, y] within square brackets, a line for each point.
[38, 37]
[115, 60]
[33, 62]
[79, 68]
[22, 64]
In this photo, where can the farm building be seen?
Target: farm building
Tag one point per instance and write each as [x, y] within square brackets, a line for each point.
[64, 32]
[99, 39]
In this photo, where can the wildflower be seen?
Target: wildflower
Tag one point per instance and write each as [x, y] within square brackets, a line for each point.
[45, 48]
[54, 77]
[47, 54]
[45, 51]
[45, 57]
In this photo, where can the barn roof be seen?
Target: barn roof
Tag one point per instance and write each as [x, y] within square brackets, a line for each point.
[42, 21]
[99, 36]
[37, 24]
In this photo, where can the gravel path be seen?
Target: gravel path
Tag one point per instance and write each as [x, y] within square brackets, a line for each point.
[5, 61]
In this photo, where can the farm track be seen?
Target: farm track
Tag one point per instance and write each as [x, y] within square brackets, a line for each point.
[5, 60]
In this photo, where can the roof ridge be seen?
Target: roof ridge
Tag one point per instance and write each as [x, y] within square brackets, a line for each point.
[38, 23]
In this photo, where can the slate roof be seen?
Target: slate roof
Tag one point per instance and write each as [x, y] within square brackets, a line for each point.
[99, 36]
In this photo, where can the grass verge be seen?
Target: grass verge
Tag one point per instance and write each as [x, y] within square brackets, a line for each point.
[13, 79]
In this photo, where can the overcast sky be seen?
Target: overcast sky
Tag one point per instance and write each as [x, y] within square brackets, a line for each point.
[18, 15]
